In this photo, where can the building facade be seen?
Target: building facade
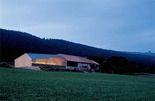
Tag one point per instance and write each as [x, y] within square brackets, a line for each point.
[63, 60]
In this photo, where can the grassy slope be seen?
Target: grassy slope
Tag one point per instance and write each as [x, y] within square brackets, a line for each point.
[18, 84]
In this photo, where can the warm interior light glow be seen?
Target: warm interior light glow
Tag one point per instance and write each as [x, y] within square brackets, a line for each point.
[50, 61]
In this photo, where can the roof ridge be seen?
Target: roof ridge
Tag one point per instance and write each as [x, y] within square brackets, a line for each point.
[37, 55]
[41, 53]
[73, 55]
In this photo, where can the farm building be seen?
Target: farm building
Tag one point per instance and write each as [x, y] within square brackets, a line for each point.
[60, 60]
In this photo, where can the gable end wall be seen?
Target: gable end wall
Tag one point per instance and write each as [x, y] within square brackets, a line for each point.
[23, 61]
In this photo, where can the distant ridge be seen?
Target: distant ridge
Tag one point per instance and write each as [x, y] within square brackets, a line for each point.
[142, 53]
[16, 43]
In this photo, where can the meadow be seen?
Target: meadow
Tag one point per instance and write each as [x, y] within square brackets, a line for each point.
[30, 85]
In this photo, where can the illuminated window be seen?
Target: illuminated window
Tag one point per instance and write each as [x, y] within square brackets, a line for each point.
[50, 61]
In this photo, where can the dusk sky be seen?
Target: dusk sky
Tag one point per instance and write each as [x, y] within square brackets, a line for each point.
[123, 25]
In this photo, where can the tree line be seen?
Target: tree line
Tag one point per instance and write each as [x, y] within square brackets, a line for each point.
[121, 65]
[15, 43]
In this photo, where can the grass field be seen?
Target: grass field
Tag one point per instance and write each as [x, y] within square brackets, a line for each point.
[29, 85]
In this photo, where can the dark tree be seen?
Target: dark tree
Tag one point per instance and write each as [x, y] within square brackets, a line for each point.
[98, 59]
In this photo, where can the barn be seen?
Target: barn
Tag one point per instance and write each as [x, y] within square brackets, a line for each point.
[59, 60]
[77, 62]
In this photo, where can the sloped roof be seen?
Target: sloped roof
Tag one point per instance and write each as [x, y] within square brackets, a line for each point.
[67, 57]
[78, 59]
[38, 56]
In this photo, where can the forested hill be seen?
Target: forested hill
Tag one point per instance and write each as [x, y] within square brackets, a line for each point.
[16, 43]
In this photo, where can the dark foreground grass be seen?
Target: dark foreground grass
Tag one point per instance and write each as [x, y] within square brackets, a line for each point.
[29, 85]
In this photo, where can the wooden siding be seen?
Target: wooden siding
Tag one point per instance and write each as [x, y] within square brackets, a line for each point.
[23, 61]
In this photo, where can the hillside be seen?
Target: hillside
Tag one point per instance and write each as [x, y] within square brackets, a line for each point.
[15, 43]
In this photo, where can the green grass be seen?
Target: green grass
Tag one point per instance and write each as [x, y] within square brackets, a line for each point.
[29, 85]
